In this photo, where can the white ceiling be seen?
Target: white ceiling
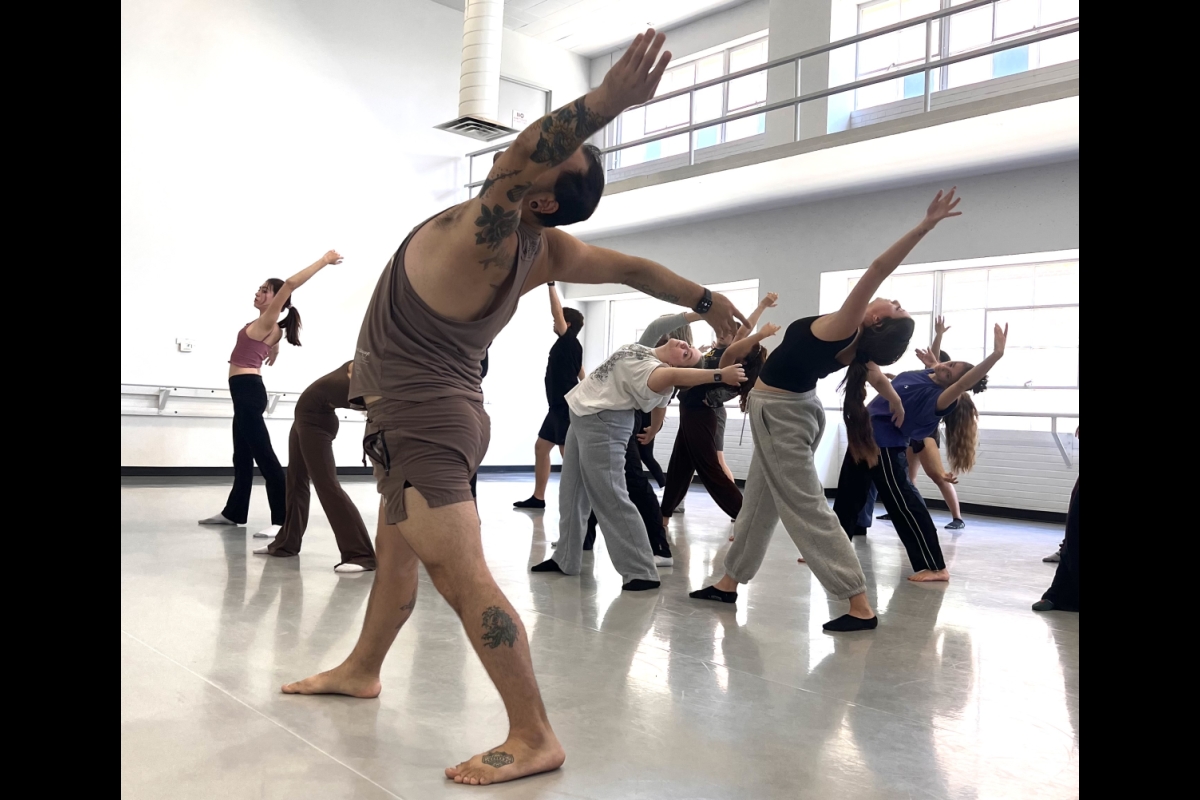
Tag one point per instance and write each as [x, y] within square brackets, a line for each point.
[1025, 136]
[594, 27]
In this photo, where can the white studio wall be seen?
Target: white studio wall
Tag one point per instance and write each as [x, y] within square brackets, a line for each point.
[256, 135]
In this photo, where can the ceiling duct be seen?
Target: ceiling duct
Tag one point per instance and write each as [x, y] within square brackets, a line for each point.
[479, 80]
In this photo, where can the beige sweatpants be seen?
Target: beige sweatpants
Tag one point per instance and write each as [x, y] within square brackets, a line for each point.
[783, 485]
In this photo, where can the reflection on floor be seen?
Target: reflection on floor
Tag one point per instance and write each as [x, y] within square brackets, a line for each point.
[962, 692]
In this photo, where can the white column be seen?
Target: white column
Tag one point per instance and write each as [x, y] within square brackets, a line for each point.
[479, 81]
[798, 25]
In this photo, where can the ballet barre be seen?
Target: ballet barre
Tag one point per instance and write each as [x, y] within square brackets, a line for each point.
[1054, 417]
[149, 400]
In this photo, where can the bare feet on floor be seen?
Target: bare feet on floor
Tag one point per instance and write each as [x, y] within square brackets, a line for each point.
[336, 681]
[930, 576]
[511, 760]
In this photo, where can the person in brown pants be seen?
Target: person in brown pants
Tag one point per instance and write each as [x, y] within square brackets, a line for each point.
[310, 456]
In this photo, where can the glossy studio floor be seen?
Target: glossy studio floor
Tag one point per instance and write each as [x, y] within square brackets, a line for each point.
[962, 692]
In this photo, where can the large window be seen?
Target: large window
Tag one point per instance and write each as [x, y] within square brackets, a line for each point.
[971, 30]
[711, 103]
[1038, 299]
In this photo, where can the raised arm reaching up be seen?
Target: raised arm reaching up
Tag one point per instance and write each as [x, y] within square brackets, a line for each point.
[261, 328]
[843, 322]
[737, 352]
[769, 301]
[976, 373]
[518, 174]
[560, 322]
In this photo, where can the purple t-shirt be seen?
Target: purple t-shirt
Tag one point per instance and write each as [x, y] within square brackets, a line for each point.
[919, 394]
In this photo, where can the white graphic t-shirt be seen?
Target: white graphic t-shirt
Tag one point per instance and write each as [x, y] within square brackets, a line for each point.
[621, 383]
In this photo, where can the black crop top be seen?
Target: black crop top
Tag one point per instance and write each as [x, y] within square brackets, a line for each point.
[802, 359]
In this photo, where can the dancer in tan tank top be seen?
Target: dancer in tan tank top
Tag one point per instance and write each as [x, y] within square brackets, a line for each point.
[449, 289]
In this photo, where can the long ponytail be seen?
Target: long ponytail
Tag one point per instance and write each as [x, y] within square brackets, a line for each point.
[882, 344]
[291, 323]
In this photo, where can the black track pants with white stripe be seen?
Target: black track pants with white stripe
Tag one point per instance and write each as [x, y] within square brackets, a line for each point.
[901, 499]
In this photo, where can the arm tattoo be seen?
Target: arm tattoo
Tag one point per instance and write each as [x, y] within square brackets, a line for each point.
[496, 225]
[497, 758]
[498, 628]
[563, 131]
[646, 288]
[503, 258]
[518, 191]
[499, 176]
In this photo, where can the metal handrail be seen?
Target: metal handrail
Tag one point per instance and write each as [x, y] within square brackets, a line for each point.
[930, 63]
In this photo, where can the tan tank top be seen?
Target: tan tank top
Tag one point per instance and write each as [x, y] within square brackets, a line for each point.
[407, 351]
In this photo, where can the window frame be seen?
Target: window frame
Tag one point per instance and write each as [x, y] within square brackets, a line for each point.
[617, 128]
[941, 75]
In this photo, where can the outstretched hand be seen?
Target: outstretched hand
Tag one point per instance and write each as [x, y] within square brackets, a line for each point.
[332, 257]
[723, 317]
[940, 326]
[942, 207]
[926, 357]
[769, 329]
[733, 375]
[769, 300]
[999, 338]
[634, 79]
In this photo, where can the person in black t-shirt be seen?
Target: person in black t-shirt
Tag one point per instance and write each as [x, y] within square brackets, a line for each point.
[564, 369]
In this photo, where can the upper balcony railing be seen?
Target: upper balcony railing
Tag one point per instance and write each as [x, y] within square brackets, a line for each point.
[931, 62]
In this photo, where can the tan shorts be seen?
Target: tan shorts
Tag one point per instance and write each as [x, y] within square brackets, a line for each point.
[434, 447]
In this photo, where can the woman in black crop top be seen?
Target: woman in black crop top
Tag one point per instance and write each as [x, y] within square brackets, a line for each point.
[787, 423]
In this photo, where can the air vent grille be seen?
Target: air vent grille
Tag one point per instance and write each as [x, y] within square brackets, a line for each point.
[482, 129]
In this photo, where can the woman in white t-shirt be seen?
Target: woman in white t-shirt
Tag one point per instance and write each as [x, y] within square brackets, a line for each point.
[593, 471]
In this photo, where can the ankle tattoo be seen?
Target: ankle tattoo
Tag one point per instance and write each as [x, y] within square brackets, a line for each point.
[498, 628]
[497, 758]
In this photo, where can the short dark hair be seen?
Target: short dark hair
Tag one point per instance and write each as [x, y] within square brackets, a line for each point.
[577, 193]
[574, 317]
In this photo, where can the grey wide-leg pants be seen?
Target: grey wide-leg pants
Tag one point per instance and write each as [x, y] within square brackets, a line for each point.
[783, 485]
[593, 479]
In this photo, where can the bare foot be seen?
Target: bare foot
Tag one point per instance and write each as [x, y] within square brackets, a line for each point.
[929, 575]
[511, 760]
[336, 681]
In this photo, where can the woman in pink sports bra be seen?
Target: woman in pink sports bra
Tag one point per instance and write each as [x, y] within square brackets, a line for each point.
[257, 342]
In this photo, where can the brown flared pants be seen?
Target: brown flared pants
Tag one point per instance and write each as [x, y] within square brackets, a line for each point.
[310, 457]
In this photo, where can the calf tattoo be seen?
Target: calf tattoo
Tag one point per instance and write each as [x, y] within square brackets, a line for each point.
[498, 628]
[497, 758]
[409, 606]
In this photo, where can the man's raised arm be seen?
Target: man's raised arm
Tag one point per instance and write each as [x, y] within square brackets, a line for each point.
[551, 140]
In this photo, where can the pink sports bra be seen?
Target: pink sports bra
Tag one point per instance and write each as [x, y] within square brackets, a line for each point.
[248, 352]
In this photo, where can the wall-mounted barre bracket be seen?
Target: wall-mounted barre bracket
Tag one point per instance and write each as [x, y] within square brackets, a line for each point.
[163, 394]
[272, 404]
[1062, 451]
